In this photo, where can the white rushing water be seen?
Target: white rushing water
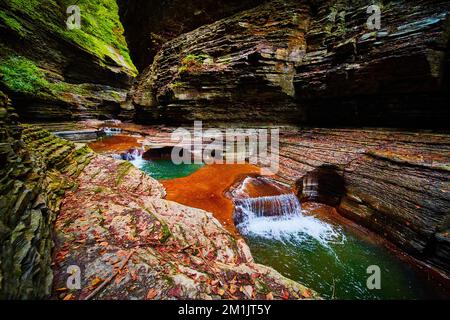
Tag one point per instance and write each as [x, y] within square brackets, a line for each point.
[134, 156]
[137, 159]
[280, 218]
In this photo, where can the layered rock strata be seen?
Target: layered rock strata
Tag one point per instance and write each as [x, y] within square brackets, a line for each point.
[393, 182]
[150, 24]
[305, 62]
[54, 73]
[111, 222]
[31, 189]
[115, 224]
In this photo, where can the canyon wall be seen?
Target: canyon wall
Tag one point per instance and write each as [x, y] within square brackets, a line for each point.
[305, 62]
[150, 24]
[53, 73]
[31, 189]
[395, 183]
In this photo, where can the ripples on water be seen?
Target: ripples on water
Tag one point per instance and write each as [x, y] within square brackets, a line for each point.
[323, 256]
[280, 218]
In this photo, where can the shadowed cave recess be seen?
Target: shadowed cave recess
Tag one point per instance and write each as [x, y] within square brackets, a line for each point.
[85, 150]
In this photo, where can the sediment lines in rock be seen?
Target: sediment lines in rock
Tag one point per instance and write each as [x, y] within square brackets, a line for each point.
[109, 213]
[297, 62]
[396, 183]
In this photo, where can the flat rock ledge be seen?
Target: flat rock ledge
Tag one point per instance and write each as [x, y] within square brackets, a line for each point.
[129, 243]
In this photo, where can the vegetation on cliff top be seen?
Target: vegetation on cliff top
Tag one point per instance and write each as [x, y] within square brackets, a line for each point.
[22, 75]
[101, 31]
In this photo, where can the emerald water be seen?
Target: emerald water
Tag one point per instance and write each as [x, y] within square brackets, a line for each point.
[166, 169]
[338, 270]
[325, 256]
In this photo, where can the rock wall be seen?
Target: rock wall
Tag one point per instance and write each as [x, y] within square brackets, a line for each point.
[397, 76]
[30, 191]
[236, 69]
[395, 183]
[53, 73]
[149, 24]
[305, 62]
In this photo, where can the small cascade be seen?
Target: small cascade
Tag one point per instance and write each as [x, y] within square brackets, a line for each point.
[134, 156]
[280, 217]
[110, 131]
[281, 205]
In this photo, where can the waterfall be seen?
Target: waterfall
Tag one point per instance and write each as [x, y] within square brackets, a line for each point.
[280, 205]
[280, 218]
[110, 131]
[134, 156]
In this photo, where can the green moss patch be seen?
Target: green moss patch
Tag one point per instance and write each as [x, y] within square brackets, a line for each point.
[101, 31]
[22, 75]
[192, 62]
[12, 23]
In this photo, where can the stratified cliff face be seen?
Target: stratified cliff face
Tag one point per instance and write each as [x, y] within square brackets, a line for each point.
[312, 62]
[151, 23]
[53, 73]
[395, 183]
[397, 76]
[240, 68]
[30, 194]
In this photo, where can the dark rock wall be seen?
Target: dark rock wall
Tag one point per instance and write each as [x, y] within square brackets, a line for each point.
[53, 73]
[149, 24]
[31, 188]
[395, 76]
[237, 69]
[25, 219]
[305, 62]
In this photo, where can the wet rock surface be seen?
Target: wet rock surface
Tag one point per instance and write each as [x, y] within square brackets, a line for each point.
[392, 182]
[52, 73]
[396, 183]
[110, 220]
[305, 62]
[31, 189]
[122, 235]
[283, 62]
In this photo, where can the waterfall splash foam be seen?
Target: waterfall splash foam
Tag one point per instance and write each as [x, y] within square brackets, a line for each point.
[134, 156]
[280, 218]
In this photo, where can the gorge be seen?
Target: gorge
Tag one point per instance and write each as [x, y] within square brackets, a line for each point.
[87, 177]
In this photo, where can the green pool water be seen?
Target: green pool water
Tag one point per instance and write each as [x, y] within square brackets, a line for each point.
[339, 269]
[166, 169]
[320, 255]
